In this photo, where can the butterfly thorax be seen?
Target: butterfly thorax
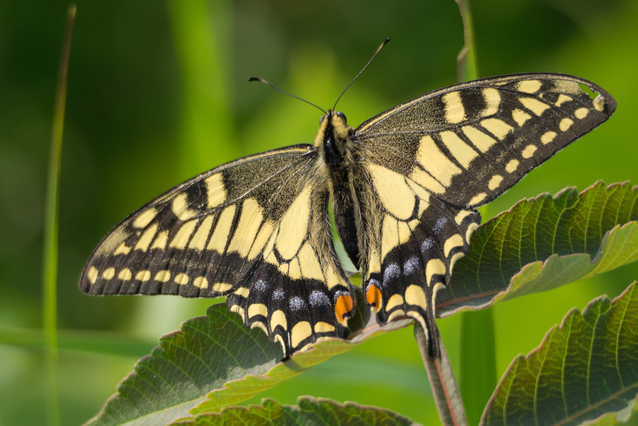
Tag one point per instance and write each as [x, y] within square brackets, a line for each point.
[338, 152]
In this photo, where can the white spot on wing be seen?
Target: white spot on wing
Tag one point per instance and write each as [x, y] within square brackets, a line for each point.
[477, 198]
[548, 137]
[181, 279]
[198, 242]
[461, 151]
[581, 113]
[392, 271]
[511, 166]
[215, 190]
[451, 243]
[278, 318]
[163, 276]
[497, 127]
[562, 99]
[414, 295]
[200, 282]
[529, 151]
[395, 194]
[92, 274]
[492, 99]
[247, 227]
[180, 208]
[145, 218]
[125, 274]
[520, 116]
[454, 110]
[495, 182]
[480, 140]
[411, 265]
[565, 124]
[435, 162]
[293, 227]
[183, 235]
[434, 266]
[534, 105]
[394, 301]
[529, 86]
[108, 273]
[143, 276]
[300, 332]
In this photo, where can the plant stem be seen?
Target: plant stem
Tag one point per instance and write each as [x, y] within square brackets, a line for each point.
[478, 361]
[467, 66]
[50, 254]
[444, 388]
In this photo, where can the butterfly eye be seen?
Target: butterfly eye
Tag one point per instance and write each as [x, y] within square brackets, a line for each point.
[321, 119]
[341, 116]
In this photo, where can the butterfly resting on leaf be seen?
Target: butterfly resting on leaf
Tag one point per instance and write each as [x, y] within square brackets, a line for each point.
[404, 187]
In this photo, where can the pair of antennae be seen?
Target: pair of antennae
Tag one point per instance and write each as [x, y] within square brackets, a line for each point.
[387, 40]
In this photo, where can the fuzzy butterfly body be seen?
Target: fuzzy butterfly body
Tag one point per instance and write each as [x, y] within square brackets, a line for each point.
[403, 186]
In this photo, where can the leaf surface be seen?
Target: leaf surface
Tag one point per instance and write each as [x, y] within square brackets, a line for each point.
[586, 370]
[214, 361]
[308, 411]
[544, 243]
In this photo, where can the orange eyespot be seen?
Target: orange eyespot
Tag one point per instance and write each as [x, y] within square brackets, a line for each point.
[373, 297]
[343, 307]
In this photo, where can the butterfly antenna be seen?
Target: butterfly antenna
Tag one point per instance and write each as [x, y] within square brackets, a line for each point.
[285, 93]
[386, 41]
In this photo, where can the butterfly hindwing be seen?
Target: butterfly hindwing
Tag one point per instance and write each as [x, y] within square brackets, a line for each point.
[411, 249]
[255, 230]
[468, 143]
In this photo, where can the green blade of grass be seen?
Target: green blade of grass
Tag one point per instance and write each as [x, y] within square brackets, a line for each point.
[202, 37]
[478, 351]
[467, 66]
[50, 253]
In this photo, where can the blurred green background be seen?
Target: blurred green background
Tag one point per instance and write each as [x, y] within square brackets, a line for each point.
[158, 92]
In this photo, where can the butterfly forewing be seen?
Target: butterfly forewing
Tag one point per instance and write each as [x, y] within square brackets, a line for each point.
[468, 143]
[255, 230]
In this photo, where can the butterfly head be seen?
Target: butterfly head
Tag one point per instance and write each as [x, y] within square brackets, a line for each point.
[333, 133]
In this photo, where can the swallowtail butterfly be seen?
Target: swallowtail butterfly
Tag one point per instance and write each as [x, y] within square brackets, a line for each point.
[404, 187]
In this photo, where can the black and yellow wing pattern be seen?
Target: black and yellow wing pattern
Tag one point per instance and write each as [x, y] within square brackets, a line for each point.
[403, 187]
[431, 161]
[254, 230]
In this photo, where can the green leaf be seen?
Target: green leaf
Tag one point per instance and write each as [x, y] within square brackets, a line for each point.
[584, 370]
[205, 354]
[215, 359]
[241, 390]
[309, 410]
[544, 243]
